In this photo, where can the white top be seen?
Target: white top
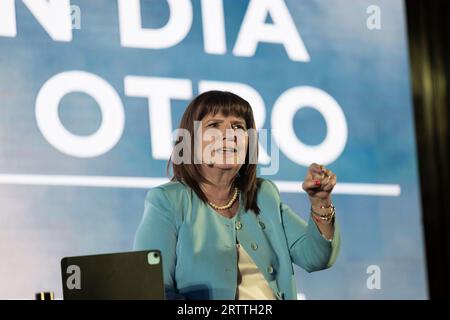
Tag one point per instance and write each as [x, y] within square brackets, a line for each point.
[251, 283]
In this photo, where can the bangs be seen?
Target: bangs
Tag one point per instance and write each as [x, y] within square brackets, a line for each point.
[226, 103]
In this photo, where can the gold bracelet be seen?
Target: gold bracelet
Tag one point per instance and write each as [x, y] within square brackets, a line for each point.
[326, 217]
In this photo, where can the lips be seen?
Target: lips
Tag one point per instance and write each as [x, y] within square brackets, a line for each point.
[224, 150]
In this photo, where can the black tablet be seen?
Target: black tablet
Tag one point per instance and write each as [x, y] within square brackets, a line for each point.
[129, 275]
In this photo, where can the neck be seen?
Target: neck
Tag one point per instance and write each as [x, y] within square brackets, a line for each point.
[221, 187]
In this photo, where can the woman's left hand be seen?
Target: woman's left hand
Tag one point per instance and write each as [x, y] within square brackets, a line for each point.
[318, 184]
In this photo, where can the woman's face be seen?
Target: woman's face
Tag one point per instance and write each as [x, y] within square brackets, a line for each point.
[224, 141]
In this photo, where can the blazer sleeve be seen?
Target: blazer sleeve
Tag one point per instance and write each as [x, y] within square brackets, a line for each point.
[158, 230]
[307, 247]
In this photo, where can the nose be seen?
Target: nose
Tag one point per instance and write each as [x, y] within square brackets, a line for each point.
[228, 133]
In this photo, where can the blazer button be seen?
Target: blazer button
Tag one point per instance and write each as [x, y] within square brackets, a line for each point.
[262, 225]
[254, 246]
[270, 269]
[238, 225]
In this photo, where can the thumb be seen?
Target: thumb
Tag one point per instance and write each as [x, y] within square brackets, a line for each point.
[311, 185]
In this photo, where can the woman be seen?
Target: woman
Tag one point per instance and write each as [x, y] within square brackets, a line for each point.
[223, 232]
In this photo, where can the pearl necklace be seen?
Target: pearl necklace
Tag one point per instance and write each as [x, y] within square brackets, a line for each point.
[229, 204]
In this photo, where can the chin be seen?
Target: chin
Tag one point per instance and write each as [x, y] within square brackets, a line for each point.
[226, 166]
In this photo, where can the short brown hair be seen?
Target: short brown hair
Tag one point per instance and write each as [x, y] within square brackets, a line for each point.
[227, 103]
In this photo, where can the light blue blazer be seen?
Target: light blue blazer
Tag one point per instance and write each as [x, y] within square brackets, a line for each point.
[198, 245]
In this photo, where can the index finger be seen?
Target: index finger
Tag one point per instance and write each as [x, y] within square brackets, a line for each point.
[315, 168]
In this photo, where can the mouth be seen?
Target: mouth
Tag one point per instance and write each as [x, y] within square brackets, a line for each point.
[226, 150]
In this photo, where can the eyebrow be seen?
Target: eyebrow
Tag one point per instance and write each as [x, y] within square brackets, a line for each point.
[233, 121]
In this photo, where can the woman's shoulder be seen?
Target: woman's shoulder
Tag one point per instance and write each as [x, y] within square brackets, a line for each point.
[172, 190]
[172, 185]
[171, 198]
[268, 199]
[267, 187]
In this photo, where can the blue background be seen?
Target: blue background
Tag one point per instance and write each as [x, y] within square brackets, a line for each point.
[365, 71]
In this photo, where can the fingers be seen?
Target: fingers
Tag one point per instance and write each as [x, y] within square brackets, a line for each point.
[315, 168]
[313, 177]
[311, 184]
[329, 185]
[318, 171]
[319, 178]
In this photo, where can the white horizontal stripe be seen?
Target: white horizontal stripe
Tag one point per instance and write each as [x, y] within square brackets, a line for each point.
[369, 189]
[392, 190]
[81, 181]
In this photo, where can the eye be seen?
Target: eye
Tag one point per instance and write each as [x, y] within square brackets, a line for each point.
[238, 126]
[212, 125]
